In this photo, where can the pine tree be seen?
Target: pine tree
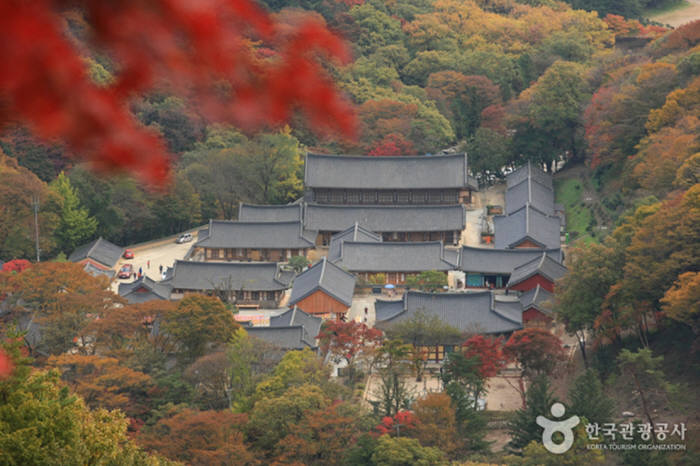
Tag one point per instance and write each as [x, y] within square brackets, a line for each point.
[76, 226]
[523, 428]
[588, 401]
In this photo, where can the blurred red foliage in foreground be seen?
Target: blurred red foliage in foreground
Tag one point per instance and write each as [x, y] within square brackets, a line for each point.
[204, 49]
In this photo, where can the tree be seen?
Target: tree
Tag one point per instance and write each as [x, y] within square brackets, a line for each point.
[104, 382]
[579, 297]
[199, 437]
[17, 233]
[198, 322]
[299, 263]
[402, 451]
[587, 399]
[55, 302]
[489, 152]
[682, 301]
[642, 370]
[296, 368]
[535, 454]
[436, 424]
[75, 226]
[403, 421]
[198, 50]
[350, 342]
[536, 352]
[41, 422]
[392, 362]
[428, 280]
[489, 351]
[522, 428]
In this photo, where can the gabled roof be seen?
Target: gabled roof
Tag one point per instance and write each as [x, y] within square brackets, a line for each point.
[256, 235]
[379, 219]
[153, 290]
[468, 312]
[543, 265]
[402, 172]
[355, 233]
[289, 338]
[527, 223]
[393, 257]
[500, 261]
[270, 213]
[295, 316]
[529, 171]
[99, 250]
[97, 271]
[537, 298]
[234, 276]
[327, 277]
[530, 192]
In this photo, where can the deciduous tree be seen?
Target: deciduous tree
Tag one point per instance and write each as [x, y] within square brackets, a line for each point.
[350, 342]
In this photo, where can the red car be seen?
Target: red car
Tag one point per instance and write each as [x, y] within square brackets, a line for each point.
[126, 271]
[128, 254]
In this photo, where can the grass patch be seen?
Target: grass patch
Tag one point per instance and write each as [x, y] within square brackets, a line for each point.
[667, 7]
[578, 216]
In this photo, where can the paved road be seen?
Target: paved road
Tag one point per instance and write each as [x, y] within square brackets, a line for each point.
[681, 16]
[161, 253]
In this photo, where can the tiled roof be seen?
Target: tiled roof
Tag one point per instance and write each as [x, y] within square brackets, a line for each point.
[530, 192]
[539, 298]
[99, 250]
[393, 257]
[500, 261]
[527, 223]
[405, 172]
[529, 171]
[543, 265]
[355, 233]
[270, 213]
[327, 277]
[96, 271]
[256, 235]
[380, 219]
[294, 317]
[154, 291]
[289, 338]
[468, 312]
[234, 276]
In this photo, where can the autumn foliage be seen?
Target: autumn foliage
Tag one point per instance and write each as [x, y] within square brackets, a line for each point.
[205, 50]
[489, 351]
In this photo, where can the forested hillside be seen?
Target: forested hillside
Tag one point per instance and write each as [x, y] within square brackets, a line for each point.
[604, 99]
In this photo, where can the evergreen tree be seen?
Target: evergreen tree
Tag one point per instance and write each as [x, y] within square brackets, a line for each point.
[588, 401]
[76, 226]
[523, 428]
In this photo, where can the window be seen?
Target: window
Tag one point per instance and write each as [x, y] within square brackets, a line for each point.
[369, 197]
[434, 197]
[403, 197]
[386, 197]
[337, 197]
[255, 295]
[221, 253]
[354, 197]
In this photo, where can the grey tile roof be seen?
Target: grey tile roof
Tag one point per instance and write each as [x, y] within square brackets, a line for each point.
[270, 213]
[539, 298]
[382, 219]
[254, 276]
[529, 171]
[385, 309]
[500, 261]
[96, 271]
[468, 312]
[543, 265]
[405, 172]
[327, 277]
[354, 233]
[526, 223]
[530, 192]
[155, 290]
[295, 316]
[393, 257]
[256, 235]
[100, 250]
[289, 338]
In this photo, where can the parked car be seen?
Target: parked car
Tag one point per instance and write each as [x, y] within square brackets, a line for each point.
[126, 271]
[128, 254]
[184, 238]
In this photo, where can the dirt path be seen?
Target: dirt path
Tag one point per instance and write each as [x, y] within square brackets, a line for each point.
[681, 16]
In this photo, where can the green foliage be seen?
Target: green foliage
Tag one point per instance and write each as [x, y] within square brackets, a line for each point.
[535, 454]
[424, 329]
[402, 451]
[587, 399]
[296, 368]
[523, 428]
[430, 280]
[75, 226]
[299, 263]
[569, 192]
